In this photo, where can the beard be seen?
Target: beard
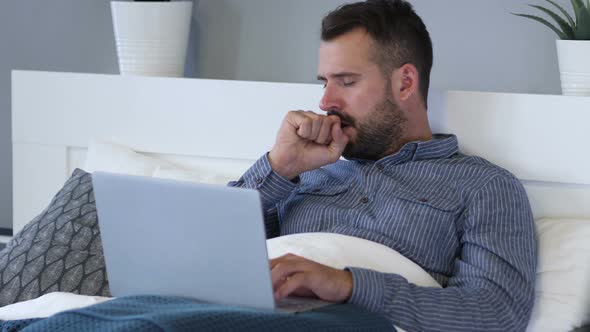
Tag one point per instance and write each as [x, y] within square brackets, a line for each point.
[379, 135]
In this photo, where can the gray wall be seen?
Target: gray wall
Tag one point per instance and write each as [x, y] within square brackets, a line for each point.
[477, 44]
[56, 35]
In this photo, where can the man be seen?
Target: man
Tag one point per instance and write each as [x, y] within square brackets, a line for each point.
[465, 221]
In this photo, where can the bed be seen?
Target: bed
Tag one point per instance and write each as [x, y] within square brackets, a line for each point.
[224, 126]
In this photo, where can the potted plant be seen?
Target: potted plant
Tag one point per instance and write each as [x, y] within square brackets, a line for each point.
[573, 45]
[151, 36]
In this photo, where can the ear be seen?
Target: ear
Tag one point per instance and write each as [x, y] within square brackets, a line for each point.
[404, 82]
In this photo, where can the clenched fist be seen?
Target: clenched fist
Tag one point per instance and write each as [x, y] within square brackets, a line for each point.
[306, 141]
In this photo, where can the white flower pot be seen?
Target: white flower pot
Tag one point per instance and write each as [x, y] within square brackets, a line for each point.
[574, 66]
[152, 37]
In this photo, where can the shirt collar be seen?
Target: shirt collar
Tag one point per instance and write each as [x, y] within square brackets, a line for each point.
[441, 146]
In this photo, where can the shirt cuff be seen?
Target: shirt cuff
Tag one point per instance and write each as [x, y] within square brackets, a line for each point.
[368, 288]
[270, 185]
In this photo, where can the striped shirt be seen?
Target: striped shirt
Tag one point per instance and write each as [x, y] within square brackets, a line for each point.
[465, 221]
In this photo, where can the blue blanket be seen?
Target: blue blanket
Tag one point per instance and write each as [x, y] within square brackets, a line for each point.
[157, 313]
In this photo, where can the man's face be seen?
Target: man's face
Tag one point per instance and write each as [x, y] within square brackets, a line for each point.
[357, 91]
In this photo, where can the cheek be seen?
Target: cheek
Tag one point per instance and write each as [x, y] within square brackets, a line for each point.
[356, 104]
[368, 92]
[361, 104]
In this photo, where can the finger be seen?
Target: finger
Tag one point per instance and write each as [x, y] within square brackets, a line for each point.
[285, 269]
[300, 122]
[317, 121]
[287, 256]
[304, 126]
[275, 261]
[282, 271]
[339, 141]
[324, 136]
[303, 292]
[296, 282]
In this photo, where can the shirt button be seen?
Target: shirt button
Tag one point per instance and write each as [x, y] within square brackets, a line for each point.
[316, 190]
[380, 167]
[258, 180]
[365, 200]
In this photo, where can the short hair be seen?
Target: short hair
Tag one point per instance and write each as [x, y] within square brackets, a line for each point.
[399, 33]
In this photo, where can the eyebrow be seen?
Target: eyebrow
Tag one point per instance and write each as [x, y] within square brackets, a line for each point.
[338, 75]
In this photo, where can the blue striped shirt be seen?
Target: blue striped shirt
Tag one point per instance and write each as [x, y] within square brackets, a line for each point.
[465, 221]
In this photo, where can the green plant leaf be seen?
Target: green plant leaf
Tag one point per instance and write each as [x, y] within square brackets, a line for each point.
[566, 28]
[579, 8]
[582, 29]
[564, 12]
[544, 21]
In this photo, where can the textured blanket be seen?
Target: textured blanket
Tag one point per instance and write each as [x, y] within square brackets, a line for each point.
[157, 313]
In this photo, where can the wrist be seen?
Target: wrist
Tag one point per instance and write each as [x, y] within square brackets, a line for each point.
[346, 291]
[277, 167]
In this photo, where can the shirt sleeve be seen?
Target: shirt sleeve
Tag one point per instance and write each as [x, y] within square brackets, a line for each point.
[492, 287]
[272, 188]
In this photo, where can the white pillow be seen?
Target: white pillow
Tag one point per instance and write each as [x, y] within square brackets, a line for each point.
[339, 251]
[48, 305]
[114, 158]
[562, 300]
[194, 175]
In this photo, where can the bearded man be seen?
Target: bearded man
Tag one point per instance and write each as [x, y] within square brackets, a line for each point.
[465, 221]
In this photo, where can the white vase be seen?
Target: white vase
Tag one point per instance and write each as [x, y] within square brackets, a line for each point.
[152, 37]
[574, 66]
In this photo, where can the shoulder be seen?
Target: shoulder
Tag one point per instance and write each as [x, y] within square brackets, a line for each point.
[469, 178]
[496, 187]
[476, 169]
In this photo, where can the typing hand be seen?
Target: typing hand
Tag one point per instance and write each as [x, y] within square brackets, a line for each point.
[306, 141]
[294, 275]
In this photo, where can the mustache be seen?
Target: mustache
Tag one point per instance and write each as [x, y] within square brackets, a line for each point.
[345, 119]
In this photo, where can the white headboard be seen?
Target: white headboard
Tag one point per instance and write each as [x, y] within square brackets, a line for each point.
[232, 123]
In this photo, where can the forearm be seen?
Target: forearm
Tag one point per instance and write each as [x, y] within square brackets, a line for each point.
[272, 188]
[474, 306]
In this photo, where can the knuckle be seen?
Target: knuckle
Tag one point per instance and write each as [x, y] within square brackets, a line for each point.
[295, 114]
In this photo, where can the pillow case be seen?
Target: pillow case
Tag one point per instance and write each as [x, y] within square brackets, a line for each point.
[562, 300]
[115, 158]
[59, 250]
[48, 305]
[195, 175]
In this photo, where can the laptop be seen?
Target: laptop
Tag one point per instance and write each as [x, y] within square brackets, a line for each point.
[175, 238]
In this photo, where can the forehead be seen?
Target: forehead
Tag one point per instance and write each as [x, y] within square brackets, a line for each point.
[350, 51]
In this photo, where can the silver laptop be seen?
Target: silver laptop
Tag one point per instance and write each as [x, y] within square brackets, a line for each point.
[167, 237]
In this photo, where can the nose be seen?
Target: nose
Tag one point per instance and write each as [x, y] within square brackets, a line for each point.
[330, 100]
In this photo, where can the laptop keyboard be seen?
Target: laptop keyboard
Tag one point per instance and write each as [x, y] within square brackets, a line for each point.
[299, 304]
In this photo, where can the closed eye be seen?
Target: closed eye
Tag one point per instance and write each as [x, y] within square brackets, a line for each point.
[345, 79]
